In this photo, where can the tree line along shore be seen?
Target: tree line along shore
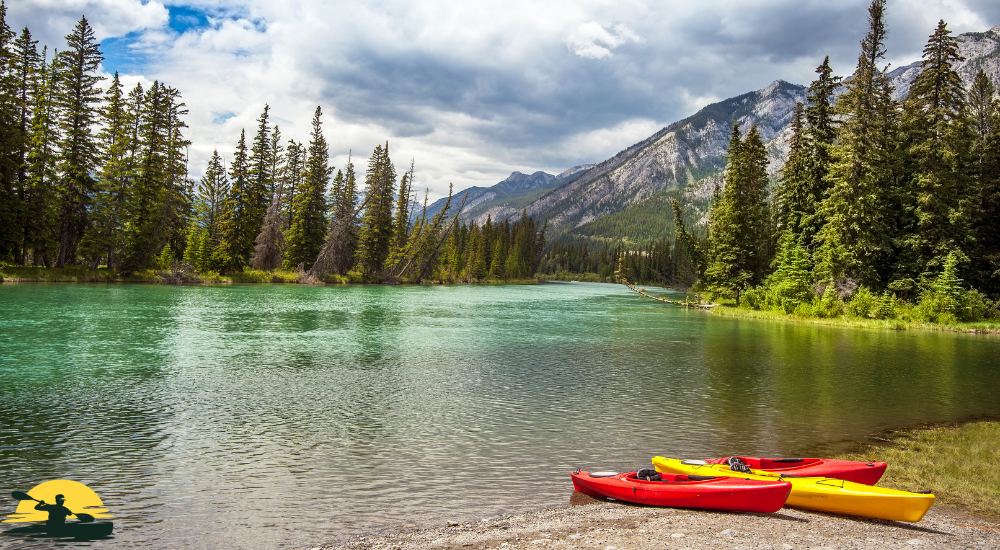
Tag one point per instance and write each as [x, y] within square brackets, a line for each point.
[97, 177]
[885, 212]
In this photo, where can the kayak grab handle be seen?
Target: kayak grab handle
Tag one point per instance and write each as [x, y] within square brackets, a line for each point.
[700, 478]
[788, 460]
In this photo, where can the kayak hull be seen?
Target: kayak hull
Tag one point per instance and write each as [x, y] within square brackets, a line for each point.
[680, 491]
[92, 530]
[849, 470]
[824, 494]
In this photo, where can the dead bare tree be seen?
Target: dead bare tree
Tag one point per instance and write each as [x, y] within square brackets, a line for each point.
[271, 240]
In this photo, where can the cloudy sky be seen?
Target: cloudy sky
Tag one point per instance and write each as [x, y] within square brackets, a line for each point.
[473, 90]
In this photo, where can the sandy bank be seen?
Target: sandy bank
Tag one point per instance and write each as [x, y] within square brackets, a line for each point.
[616, 526]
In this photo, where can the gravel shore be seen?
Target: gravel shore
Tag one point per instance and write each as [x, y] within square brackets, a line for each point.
[591, 524]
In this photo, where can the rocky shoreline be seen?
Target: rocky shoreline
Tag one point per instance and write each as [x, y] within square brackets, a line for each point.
[602, 525]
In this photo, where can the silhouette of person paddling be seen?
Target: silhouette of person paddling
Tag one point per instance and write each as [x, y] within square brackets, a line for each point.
[57, 512]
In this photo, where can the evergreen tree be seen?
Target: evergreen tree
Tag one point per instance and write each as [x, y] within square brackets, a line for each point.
[26, 65]
[793, 199]
[157, 205]
[377, 232]
[337, 254]
[939, 143]
[11, 142]
[308, 231]
[41, 198]
[114, 179]
[739, 230]
[212, 192]
[820, 135]
[294, 171]
[984, 110]
[855, 240]
[277, 168]
[237, 241]
[260, 184]
[78, 97]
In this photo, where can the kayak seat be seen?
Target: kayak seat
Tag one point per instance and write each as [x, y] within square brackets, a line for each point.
[648, 474]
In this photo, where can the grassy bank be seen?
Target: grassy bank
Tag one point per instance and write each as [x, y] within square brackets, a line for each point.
[574, 277]
[83, 274]
[992, 326]
[958, 463]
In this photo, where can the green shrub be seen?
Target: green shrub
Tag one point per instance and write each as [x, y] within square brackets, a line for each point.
[804, 309]
[754, 298]
[935, 307]
[861, 303]
[884, 307]
[974, 306]
[830, 304]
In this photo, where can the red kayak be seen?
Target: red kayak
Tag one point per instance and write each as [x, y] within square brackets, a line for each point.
[684, 491]
[849, 470]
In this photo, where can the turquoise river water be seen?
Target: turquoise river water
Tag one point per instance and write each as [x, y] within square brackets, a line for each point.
[287, 417]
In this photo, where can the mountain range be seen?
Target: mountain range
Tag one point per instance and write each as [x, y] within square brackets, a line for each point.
[612, 199]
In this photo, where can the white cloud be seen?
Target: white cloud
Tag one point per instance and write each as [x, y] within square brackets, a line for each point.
[592, 40]
[475, 90]
[52, 19]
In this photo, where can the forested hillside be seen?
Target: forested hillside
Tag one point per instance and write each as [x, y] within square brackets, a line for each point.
[94, 174]
[883, 206]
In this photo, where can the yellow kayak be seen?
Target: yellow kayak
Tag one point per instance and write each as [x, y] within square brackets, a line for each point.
[821, 493]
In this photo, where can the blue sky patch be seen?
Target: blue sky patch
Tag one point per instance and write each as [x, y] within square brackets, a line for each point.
[119, 56]
[184, 18]
[222, 117]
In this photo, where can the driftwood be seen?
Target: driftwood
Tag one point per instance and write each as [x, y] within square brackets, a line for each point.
[620, 275]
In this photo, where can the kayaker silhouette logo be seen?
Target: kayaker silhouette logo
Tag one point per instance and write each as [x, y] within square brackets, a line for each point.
[48, 508]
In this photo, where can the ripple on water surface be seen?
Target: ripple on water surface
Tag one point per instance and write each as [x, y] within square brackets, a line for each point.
[285, 416]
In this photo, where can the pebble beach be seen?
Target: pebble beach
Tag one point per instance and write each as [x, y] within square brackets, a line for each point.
[604, 525]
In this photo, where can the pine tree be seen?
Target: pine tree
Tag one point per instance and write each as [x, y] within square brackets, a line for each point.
[793, 199]
[11, 143]
[114, 179]
[260, 184]
[337, 254]
[237, 242]
[157, 205]
[26, 65]
[856, 241]
[278, 174]
[294, 171]
[939, 144]
[308, 231]
[212, 192]
[820, 135]
[78, 98]
[984, 111]
[739, 229]
[376, 233]
[41, 197]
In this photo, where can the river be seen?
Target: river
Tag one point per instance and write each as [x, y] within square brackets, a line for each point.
[290, 416]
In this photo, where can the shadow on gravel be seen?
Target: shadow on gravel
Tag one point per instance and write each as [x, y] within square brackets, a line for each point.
[888, 523]
[785, 517]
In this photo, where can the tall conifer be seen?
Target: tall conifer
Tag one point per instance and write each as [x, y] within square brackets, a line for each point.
[309, 227]
[939, 143]
[376, 232]
[856, 241]
[79, 98]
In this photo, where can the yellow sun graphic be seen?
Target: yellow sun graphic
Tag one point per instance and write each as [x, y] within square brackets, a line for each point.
[79, 498]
